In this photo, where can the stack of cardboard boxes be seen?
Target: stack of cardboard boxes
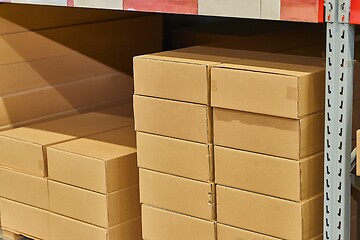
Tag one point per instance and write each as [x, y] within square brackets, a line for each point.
[268, 136]
[65, 64]
[261, 146]
[71, 178]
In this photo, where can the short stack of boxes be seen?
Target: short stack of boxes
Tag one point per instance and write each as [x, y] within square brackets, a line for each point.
[71, 178]
[268, 136]
[261, 145]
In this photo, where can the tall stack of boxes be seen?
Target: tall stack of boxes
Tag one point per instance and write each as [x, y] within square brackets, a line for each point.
[71, 178]
[77, 63]
[268, 136]
[173, 120]
[252, 166]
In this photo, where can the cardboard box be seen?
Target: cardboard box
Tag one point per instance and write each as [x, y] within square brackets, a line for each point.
[274, 176]
[18, 77]
[156, 75]
[18, 108]
[164, 225]
[174, 156]
[93, 36]
[176, 119]
[24, 148]
[279, 85]
[177, 194]
[70, 229]
[268, 215]
[24, 188]
[282, 137]
[109, 157]
[103, 210]
[225, 232]
[14, 18]
[25, 220]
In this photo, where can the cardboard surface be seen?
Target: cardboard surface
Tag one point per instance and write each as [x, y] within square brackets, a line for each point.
[94, 208]
[177, 194]
[279, 177]
[56, 42]
[24, 188]
[23, 148]
[282, 137]
[164, 225]
[70, 229]
[109, 157]
[278, 85]
[25, 219]
[174, 156]
[156, 75]
[14, 18]
[173, 119]
[268, 215]
[225, 232]
[17, 108]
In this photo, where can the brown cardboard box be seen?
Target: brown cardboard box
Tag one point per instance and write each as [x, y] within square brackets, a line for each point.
[25, 220]
[28, 189]
[69, 68]
[225, 232]
[177, 194]
[24, 148]
[274, 176]
[268, 215]
[283, 137]
[70, 229]
[109, 157]
[175, 156]
[17, 108]
[358, 153]
[56, 42]
[20, 17]
[156, 75]
[103, 210]
[164, 225]
[274, 84]
[176, 119]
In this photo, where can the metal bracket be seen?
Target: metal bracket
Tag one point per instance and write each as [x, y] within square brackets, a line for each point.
[330, 11]
[342, 11]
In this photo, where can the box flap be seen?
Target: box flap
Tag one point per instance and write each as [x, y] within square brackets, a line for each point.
[24, 188]
[164, 225]
[225, 232]
[22, 218]
[264, 134]
[173, 118]
[177, 194]
[174, 156]
[259, 213]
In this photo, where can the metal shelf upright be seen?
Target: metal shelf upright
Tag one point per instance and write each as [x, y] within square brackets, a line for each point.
[338, 120]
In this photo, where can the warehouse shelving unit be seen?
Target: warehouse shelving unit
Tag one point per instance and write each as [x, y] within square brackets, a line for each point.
[340, 17]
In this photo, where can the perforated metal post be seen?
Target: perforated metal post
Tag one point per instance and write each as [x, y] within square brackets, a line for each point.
[338, 125]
